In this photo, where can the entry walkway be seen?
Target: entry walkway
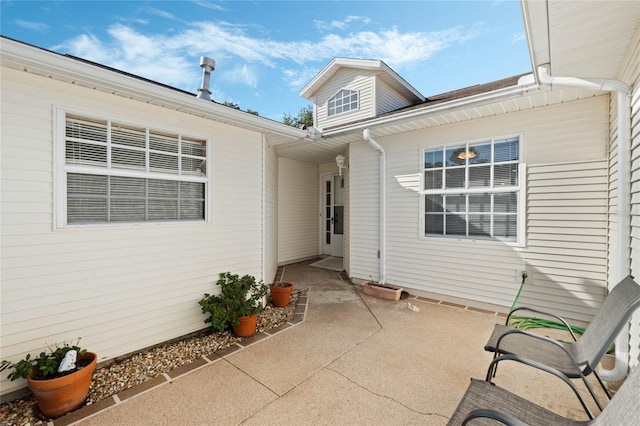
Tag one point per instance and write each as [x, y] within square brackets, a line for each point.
[354, 360]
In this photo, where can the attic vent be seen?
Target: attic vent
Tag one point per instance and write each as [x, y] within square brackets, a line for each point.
[207, 65]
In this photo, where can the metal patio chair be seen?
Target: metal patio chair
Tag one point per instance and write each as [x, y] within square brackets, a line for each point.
[575, 359]
[487, 404]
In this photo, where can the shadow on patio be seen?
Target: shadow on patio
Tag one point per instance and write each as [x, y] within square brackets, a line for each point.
[354, 359]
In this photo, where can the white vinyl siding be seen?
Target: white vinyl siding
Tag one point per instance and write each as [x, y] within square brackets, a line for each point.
[387, 99]
[633, 80]
[124, 288]
[346, 79]
[270, 213]
[364, 211]
[298, 224]
[486, 272]
[566, 224]
[346, 256]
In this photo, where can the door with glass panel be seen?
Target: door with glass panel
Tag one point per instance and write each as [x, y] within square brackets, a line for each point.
[333, 215]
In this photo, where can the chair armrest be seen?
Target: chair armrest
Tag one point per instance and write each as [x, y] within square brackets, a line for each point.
[545, 368]
[539, 337]
[551, 314]
[495, 415]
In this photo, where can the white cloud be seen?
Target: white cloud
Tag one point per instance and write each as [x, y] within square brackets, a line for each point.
[296, 78]
[518, 37]
[241, 75]
[161, 13]
[340, 25]
[172, 59]
[135, 20]
[137, 54]
[208, 5]
[33, 26]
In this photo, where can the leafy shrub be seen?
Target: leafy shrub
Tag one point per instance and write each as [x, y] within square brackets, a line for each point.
[239, 296]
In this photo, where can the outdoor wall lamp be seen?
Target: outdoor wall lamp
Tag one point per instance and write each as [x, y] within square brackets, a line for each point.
[340, 163]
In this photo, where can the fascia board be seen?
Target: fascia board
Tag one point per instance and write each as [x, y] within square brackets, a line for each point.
[331, 68]
[402, 82]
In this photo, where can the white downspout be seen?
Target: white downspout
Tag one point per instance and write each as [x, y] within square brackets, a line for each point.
[623, 250]
[366, 134]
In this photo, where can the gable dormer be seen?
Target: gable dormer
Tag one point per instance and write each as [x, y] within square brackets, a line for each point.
[348, 90]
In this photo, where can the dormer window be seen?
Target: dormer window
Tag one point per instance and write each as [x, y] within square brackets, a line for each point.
[345, 100]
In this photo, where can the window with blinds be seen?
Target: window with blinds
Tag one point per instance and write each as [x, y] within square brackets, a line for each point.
[472, 190]
[121, 173]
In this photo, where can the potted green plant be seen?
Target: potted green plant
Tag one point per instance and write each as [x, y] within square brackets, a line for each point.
[280, 293]
[59, 378]
[237, 306]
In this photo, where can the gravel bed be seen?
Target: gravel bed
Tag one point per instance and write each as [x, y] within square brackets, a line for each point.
[140, 367]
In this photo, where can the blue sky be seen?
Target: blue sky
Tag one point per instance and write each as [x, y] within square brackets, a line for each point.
[266, 51]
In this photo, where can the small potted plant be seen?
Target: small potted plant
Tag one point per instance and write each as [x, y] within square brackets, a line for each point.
[237, 306]
[280, 293]
[59, 378]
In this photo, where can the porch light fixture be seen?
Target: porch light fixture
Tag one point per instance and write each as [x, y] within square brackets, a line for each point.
[464, 154]
[340, 162]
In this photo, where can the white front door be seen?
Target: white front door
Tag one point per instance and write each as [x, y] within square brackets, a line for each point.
[333, 214]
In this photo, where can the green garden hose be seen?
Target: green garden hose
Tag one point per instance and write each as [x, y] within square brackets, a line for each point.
[526, 323]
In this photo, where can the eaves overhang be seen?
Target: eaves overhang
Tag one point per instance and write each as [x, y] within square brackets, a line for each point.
[34, 60]
[387, 74]
[582, 39]
[525, 95]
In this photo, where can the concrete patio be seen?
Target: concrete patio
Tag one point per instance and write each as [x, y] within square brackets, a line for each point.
[354, 359]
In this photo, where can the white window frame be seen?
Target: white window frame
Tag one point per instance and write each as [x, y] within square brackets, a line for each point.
[334, 99]
[62, 169]
[520, 189]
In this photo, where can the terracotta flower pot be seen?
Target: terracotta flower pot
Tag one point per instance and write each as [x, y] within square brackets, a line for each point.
[247, 326]
[63, 394]
[280, 293]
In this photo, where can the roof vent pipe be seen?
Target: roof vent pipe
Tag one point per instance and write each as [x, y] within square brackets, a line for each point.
[207, 65]
[623, 251]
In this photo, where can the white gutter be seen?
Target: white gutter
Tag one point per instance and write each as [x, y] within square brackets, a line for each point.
[366, 134]
[623, 250]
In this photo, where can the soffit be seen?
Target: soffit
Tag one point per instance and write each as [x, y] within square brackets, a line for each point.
[335, 141]
[588, 39]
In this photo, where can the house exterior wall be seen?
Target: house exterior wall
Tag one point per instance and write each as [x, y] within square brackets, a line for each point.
[565, 152]
[298, 223]
[270, 213]
[346, 256]
[352, 79]
[364, 207]
[120, 288]
[387, 99]
[632, 77]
